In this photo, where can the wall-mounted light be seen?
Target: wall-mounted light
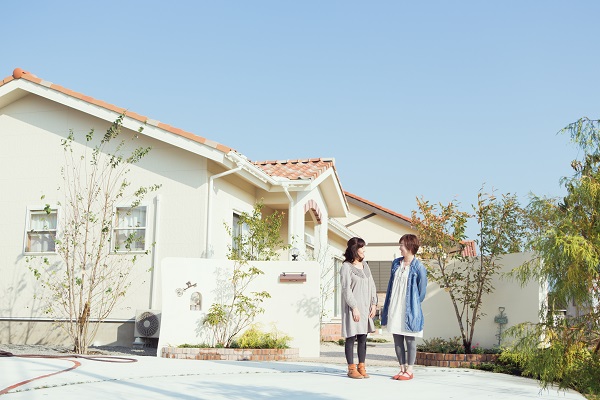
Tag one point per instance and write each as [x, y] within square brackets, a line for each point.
[295, 253]
[292, 277]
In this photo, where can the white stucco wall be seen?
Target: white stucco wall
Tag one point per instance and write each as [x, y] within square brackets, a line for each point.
[521, 304]
[292, 308]
[31, 130]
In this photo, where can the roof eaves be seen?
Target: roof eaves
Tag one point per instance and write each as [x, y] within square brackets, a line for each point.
[18, 73]
[377, 206]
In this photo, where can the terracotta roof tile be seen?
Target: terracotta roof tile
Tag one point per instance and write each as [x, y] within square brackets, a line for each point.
[469, 250]
[309, 168]
[18, 73]
[387, 210]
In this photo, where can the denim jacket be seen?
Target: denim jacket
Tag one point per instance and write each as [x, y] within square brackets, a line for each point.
[415, 294]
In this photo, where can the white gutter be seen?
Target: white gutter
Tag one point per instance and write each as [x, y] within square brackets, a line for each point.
[284, 185]
[153, 277]
[243, 163]
[208, 253]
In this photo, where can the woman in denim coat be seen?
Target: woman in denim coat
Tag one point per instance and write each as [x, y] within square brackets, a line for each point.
[402, 313]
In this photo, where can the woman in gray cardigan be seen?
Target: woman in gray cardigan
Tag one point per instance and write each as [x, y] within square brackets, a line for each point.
[359, 302]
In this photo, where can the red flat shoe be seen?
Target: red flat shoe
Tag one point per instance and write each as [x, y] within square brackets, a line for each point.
[405, 376]
[397, 376]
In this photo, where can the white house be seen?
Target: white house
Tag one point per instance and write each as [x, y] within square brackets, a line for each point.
[204, 186]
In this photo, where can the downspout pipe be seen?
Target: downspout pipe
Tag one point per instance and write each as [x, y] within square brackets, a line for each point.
[290, 214]
[208, 252]
[153, 276]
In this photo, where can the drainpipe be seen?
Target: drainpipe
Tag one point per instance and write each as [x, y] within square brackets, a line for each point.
[290, 214]
[209, 205]
[153, 276]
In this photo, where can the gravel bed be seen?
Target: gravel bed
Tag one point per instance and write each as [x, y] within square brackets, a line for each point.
[35, 349]
[378, 354]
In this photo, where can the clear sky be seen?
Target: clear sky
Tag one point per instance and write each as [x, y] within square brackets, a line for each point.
[411, 98]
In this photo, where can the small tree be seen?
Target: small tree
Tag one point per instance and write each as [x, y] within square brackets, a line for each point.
[257, 239]
[468, 279]
[90, 281]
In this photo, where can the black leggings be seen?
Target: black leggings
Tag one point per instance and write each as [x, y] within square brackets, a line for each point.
[361, 348]
[408, 355]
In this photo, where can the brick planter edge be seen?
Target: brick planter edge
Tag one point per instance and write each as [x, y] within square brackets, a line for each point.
[229, 354]
[453, 360]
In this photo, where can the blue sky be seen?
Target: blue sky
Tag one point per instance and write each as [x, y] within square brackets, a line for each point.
[428, 98]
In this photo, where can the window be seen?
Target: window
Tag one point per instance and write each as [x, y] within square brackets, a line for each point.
[129, 233]
[238, 234]
[41, 230]
[337, 288]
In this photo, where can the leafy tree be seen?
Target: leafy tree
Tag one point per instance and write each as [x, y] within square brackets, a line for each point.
[257, 239]
[468, 279]
[90, 281]
[566, 242]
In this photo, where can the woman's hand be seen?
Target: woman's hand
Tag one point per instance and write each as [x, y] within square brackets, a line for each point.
[355, 314]
[373, 311]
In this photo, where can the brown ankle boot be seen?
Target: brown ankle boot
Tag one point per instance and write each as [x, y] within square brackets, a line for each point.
[362, 370]
[353, 373]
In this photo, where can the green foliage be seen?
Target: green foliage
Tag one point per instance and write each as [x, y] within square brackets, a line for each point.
[560, 357]
[508, 362]
[377, 323]
[255, 338]
[377, 340]
[439, 345]
[257, 238]
[90, 280]
[565, 237]
[194, 346]
[468, 279]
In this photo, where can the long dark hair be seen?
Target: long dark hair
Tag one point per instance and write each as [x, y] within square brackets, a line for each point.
[351, 252]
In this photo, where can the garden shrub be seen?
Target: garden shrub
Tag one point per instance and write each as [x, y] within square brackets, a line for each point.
[452, 346]
[255, 338]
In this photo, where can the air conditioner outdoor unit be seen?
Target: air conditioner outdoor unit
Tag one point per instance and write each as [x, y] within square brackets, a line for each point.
[147, 323]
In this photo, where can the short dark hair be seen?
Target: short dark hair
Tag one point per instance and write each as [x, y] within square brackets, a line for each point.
[351, 252]
[411, 242]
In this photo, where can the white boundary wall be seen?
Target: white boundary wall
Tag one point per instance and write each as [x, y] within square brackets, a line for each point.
[521, 304]
[293, 307]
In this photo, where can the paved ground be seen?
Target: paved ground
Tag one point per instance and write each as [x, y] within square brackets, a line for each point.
[156, 378]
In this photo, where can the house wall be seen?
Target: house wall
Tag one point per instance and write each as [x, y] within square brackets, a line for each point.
[31, 130]
[292, 309]
[521, 304]
[381, 232]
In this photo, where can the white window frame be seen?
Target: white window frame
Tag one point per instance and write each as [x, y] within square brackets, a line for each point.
[28, 229]
[125, 228]
[235, 228]
[337, 287]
